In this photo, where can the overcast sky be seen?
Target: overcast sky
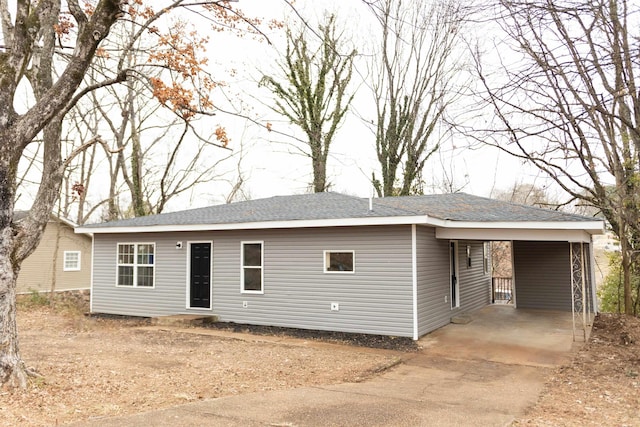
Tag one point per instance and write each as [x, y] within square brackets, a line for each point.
[271, 163]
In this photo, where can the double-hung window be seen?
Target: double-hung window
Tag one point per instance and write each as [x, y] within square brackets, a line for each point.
[252, 261]
[136, 264]
[71, 261]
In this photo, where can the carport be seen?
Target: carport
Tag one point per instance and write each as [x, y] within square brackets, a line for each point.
[504, 334]
[552, 252]
[552, 255]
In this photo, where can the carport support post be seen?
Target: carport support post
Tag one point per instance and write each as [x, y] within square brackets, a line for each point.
[576, 256]
[583, 276]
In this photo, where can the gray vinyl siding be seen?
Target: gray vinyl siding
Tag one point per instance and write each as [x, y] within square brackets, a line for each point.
[376, 298]
[542, 275]
[168, 296]
[434, 280]
[475, 285]
[432, 256]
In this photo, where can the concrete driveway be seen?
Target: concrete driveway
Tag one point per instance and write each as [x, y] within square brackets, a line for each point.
[486, 372]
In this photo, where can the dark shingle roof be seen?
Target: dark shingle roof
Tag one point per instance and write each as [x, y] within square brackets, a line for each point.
[322, 206]
[465, 207]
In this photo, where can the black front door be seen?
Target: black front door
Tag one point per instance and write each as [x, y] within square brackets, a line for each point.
[200, 280]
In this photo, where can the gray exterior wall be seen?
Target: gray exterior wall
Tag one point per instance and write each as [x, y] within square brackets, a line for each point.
[475, 284]
[542, 278]
[434, 310]
[433, 281]
[376, 299]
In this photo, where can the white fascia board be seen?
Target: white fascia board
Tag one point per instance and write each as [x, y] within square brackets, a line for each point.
[592, 227]
[493, 234]
[341, 222]
[66, 221]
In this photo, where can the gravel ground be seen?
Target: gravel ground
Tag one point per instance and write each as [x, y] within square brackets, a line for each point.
[361, 340]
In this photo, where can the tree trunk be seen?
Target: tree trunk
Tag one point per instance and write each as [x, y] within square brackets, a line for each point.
[137, 192]
[626, 267]
[54, 275]
[319, 162]
[12, 370]
[30, 40]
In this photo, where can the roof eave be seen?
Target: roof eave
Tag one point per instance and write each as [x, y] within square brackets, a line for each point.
[339, 222]
[524, 234]
[455, 228]
[591, 227]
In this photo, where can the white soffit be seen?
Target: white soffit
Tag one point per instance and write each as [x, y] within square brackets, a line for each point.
[529, 234]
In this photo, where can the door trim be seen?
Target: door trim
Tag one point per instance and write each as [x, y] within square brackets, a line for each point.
[188, 274]
[454, 271]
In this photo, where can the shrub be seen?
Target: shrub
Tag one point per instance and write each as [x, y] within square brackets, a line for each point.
[611, 293]
[35, 299]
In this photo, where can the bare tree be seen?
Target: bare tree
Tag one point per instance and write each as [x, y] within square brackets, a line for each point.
[51, 50]
[74, 204]
[524, 194]
[572, 106]
[157, 148]
[28, 50]
[311, 91]
[528, 194]
[414, 74]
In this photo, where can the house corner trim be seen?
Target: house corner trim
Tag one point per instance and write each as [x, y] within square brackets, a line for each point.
[414, 279]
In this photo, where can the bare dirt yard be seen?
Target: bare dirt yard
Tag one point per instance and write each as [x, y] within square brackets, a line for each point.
[601, 386]
[101, 367]
[98, 367]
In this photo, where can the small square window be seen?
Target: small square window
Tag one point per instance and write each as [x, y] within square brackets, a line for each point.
[339, 261]
[71, 261]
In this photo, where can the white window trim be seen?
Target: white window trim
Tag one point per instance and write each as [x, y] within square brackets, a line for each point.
[242, 266]
[325, 256]
[135, 264]
[188, 279]
[64, 261]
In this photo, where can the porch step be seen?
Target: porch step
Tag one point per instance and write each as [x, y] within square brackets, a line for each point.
[461, 319]
[184, 320]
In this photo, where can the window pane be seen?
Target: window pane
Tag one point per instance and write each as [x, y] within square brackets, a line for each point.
[125, 254]
[340, 261]
[145, 254]
[252, 279]
[252, 254]
[145, 276]
[72, 260]
[125, 275]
